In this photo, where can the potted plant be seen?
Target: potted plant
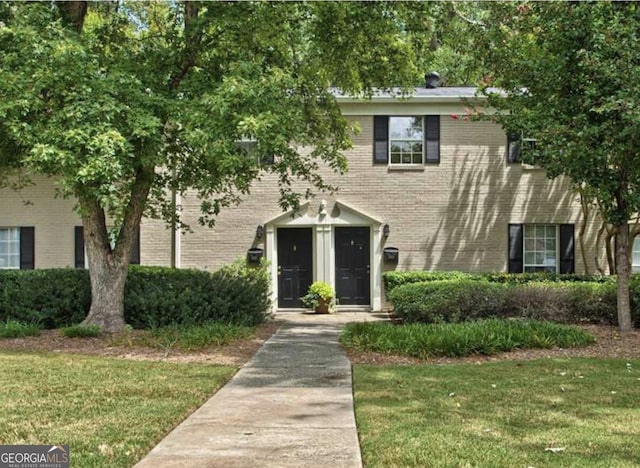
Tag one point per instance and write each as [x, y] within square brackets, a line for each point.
[320, 298]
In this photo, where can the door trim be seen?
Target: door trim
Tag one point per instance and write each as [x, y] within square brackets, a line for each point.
[323, 227]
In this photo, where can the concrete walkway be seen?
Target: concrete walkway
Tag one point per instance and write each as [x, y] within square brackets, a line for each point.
[290, 405]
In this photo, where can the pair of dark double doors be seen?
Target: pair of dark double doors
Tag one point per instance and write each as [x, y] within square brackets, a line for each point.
[295, 265]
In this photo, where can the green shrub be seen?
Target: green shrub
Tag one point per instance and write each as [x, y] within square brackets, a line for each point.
[461, 300]
[461, 339]
[448, 301]
[52, 298]
[393, 279]
[154, 296]
[158, 297]
[81, 331]
[564, 302]
[15, 329]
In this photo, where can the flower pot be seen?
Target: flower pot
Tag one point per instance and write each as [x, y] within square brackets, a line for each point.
[323, 307]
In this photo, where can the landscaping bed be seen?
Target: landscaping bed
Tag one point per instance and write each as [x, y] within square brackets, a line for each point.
[126, 346]
[609, 344]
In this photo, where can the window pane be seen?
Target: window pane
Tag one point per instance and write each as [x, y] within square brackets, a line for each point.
[405, 136]
[400, 127]
[540, 231]
[395, 158]
[529, 244]
[539, 258]
[10, 248]
[550, 244]
[529, 258]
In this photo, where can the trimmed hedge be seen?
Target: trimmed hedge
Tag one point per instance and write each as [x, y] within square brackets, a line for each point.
[448, 301]
[235, 294]
[462, 300]
[393, 279]
[154, 296]
[52, 298]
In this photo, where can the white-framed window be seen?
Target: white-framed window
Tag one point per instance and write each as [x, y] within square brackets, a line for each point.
[250, 146]
[635, 255]
[516, 143]
[10, 248]
[540, 248]
[406, 140]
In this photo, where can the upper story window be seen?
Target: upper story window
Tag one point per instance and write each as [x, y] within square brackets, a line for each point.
[406, 140]
[516, 144]
[250, 146]
[10, 248]
[635, 256]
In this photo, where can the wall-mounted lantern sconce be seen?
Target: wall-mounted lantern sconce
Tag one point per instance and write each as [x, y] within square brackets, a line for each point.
[259, 231]
[390, 255]
[254, 255]
[386, 230]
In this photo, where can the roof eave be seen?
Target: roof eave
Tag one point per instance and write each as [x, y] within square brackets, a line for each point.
[411, 99]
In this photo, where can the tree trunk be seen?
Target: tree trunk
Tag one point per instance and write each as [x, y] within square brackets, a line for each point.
[108, 272]
[624, 273]
[107, 293]
[586, 211]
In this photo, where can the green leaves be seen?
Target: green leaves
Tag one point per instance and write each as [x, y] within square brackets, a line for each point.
[580, 76]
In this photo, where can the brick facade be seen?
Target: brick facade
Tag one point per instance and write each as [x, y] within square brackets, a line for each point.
[448, 216]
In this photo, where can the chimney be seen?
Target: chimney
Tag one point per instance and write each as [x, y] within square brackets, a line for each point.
[432, 80]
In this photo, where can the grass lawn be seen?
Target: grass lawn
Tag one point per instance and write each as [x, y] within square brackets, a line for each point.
[545, 413]
[111, 412]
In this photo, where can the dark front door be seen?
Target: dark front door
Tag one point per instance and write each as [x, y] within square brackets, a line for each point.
[352, 265]
[295, 264]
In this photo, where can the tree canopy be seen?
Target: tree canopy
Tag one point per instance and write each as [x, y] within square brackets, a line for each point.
[567, 75]
[124, 102]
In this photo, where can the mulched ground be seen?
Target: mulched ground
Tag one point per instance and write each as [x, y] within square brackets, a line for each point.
[230, 355]
[609, 343]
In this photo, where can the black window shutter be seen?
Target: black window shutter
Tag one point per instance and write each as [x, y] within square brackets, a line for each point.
[432, 139]
[516, 263]
[267, 159]
[135, 252]
[567, 248]
[78, 246]
[513, 147]
[27, 248]
[381, 139]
